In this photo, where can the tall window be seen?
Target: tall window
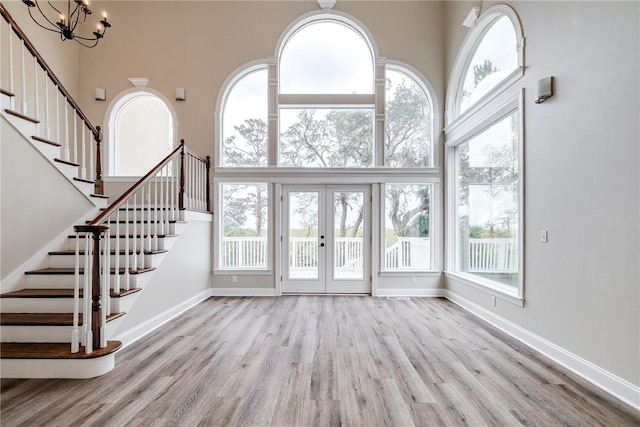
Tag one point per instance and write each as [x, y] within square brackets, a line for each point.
[141, 134]
[245, 222]
[485, 149]
[326, 98]
[407, 228]
[487, 170]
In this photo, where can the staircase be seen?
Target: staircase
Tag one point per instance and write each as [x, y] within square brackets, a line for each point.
[59, 322]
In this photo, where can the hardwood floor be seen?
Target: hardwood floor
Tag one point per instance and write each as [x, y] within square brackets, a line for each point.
[320, 360]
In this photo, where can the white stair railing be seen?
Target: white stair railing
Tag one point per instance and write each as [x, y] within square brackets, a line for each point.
[136, 222]
[42, 97]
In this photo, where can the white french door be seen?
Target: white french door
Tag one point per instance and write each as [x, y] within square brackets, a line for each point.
[326, 239]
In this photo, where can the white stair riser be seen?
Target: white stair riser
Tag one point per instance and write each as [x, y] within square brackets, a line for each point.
[147, 214]
[54, 305]
[100, 202]
[68, 261]
[57, 368]
[69, 171]
[46, 333]
[156, 228]
[24, 126]
[65, 281]
[86, 187]
[156, 243]
[49, 151]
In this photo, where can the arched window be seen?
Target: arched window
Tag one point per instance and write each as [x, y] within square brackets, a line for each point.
[408, 121]
[485, 150]
[491, 59]
[244, 121]
[141, 133]
[326, 97]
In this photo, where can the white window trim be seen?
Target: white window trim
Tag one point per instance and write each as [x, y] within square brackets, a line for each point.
[474, 36]
[435, 230]
[217, 230]
[110, 119]
[481, 121]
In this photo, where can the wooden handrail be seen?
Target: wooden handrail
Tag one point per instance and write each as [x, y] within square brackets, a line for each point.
[120, 201]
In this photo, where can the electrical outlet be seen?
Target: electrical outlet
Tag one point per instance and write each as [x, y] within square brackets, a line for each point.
[413, 279]
[493, 301]
[544, 236]
[234, 279]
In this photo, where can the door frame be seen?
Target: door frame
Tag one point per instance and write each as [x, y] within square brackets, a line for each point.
[327, 283]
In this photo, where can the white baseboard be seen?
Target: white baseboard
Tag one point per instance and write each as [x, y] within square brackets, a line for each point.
[433, 293]
[132, 335]
[243, 292]
[612, 384]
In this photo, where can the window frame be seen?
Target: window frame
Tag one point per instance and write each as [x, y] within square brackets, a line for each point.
[473, 39]
[434, 229]
[219, 230]
[481, 122]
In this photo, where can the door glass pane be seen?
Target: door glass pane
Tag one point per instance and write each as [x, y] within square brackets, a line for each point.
[303, 235]
[348, 247]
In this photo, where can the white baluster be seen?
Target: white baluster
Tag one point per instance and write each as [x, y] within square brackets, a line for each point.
[116, 278]
[66, 130]
[75, 139]
[127, 257]
[174, 184]
[155, 212]
[23, 80]
[37, 98]
[106, 295]
[135, 233]
[58, 140]
[92, 164]
[75, 333]
[86, 315]
[161, 204]
[46, 107]
[11, 86]
[147, 216]
[83, 163]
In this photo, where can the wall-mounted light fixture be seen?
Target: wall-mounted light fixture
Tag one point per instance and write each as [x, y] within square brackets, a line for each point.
[544, 90]
[181, 94]
[99, 94]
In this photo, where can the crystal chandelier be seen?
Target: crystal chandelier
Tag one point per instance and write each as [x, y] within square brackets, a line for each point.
[75, 14]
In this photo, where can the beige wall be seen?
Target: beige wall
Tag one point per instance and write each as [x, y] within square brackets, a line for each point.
[197, 45]
[581, 179]
[62, 57]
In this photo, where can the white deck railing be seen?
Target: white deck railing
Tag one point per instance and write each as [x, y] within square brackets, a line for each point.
[493, 255]
[408, 253]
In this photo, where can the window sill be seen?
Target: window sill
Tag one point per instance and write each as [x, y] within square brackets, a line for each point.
[408, 273]
[243, 272]
[505, 293]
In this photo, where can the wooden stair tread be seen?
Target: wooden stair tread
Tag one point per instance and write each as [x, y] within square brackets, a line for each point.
[59, 293]
[99, 196]
[52, 351]
[113, 252]
[88, 181]
[137, 221]
[44, 319]
[131, 236]
[66, 162]
[46, 141]
[22, 116]
[68, 271]
[6, 92]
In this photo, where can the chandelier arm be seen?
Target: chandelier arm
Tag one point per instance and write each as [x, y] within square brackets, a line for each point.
[47, 19]
[75, 16]
[50, 4]
[85, 38]
[86, 45]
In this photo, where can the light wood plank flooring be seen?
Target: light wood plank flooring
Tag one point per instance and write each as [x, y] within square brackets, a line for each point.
[320, 360]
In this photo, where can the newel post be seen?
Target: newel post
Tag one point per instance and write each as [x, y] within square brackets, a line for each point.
[99, 185]
[182, 187]
[208, 184]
